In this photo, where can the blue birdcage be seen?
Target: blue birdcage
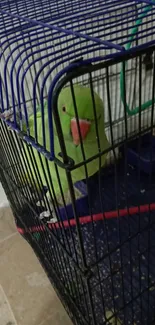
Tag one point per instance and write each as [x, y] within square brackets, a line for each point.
[77, 84]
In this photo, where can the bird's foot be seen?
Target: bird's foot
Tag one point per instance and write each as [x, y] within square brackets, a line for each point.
[51, 216]
[7, 115]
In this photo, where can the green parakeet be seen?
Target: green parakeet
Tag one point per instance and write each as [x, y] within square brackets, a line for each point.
[71, 135]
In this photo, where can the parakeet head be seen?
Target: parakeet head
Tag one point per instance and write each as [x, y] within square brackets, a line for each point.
[85, 111]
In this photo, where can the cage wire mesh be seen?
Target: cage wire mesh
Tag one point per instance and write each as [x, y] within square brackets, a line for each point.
[77, 149]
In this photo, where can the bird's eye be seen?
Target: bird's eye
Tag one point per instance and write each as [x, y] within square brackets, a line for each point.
[64, 109]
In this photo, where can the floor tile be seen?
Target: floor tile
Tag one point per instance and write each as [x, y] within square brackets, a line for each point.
[6, 314]
[7, 225]
[28, 290]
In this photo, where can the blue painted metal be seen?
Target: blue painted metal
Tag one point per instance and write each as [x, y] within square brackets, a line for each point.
[37, 35]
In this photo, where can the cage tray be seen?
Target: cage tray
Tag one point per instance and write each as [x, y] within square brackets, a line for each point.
[126, 269]
[81, 202]
[141, 153]
[123, 273]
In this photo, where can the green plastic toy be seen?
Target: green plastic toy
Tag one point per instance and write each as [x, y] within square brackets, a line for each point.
[128, 46]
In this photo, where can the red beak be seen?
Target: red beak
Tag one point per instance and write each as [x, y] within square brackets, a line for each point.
[84, 129]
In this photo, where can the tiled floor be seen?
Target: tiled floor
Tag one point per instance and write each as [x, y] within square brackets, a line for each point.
[24, 287]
